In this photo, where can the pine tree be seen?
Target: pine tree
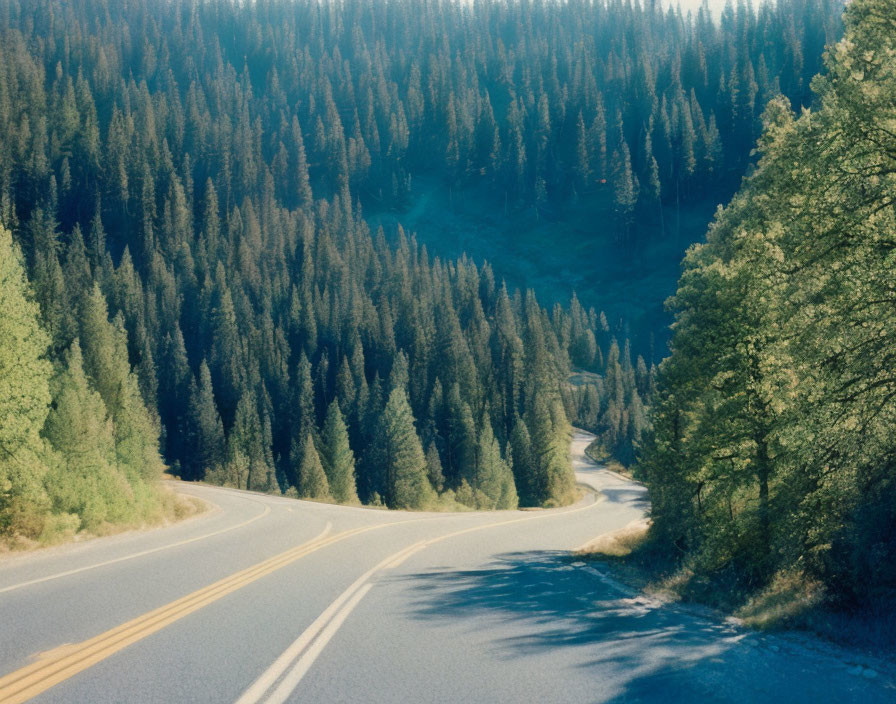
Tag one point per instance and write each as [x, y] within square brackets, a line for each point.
[305, 402]
[461, 437]
[582, 163]
[337, 457]
[312, 478]
[248, 438]
[102, 167]
[625, 186]
[302, 180]
[24, 397]
[105, 353]
[206, 432]
[554, 482]
[434, 467]
[492, 477]
[401, 455]
[652, 184]
[523, 465]
[174, 388]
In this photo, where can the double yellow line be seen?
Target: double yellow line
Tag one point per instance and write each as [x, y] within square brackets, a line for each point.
[61, 663]
[276, 684]
[142, 553]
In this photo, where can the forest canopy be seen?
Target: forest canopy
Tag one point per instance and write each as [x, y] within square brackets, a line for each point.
[772, 450]
[186, 186]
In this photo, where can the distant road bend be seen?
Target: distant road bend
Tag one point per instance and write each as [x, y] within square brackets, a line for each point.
[267, 599]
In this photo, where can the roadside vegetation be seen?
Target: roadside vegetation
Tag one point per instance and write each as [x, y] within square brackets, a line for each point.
[76, 454]
[770, 463]
[195, 194]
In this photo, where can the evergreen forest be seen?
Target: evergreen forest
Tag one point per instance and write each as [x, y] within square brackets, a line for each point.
[770, 463]
[195, 273]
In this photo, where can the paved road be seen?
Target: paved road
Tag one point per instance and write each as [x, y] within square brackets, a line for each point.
[267, 599]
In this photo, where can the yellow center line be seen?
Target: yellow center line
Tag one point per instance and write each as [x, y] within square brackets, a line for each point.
[291, 666]
[77, 570]
[61, 663]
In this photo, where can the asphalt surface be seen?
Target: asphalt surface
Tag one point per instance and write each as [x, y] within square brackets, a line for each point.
[266, 599]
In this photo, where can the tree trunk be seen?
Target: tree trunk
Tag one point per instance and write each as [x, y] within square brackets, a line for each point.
[762, 474]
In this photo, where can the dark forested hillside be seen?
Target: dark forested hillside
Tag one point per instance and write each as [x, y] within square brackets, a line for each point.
[771, 464]
[174, 286]
[190, 186]
[619, 125]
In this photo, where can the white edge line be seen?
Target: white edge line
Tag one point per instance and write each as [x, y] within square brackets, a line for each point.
[295, 675]
[123, 558]
[331, 618]
[267, 679]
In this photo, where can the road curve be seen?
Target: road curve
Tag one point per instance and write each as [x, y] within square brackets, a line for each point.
[267, 599]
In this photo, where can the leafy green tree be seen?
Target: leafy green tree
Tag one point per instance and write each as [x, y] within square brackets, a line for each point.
[337, 457]
[85, 478]
[312, 478]
[492, 476]
[401, 455]
[772, 421]
[24, 397]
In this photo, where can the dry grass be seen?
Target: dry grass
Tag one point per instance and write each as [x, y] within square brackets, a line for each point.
[184, 507]
[784, 602]
[673, 586]
[791, 600]
[619, 543]
[66, 528]
[619, 468]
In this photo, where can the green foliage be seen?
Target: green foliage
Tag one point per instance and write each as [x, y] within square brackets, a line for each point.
[523, 464]
[312, 478]
[24, 398]
[85, 478]
[205, 432]
[492, 476]
[207, 211]
[234, 472]
[553, 478]
[401, 455]
[337, 457]
[772, 430]
[78, 463]
[613, 407]
[105, 346]
[434, 467]
[249, 447]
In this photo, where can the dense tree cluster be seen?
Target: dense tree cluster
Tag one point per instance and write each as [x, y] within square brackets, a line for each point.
[613, 405]
[540, 101]
[78, 448]
[773, 443]
[185, 182]
[278, 344]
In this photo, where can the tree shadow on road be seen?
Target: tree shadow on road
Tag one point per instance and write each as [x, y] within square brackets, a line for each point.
[638, 648]
[634, 496]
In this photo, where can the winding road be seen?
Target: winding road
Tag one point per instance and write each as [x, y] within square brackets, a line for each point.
[267, 599]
